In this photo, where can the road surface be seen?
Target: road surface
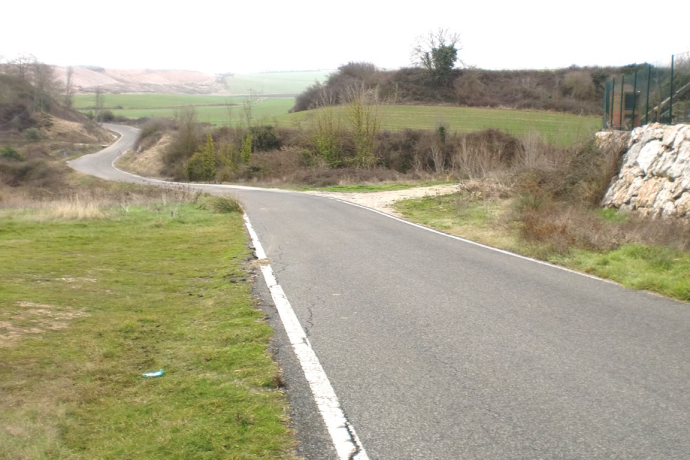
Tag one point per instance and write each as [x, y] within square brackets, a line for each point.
[440, 349]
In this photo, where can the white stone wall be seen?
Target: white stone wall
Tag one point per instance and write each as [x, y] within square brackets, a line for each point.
[654, 179]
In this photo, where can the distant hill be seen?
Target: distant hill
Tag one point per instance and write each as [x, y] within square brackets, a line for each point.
[113, 81]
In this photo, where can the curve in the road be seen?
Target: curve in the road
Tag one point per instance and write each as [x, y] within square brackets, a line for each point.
[442, 349]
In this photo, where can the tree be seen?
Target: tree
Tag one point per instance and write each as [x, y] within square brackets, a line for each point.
[22, 64]
[98, 103]
[437, 52]
[46, 86]
[68, 87]
[202, 165]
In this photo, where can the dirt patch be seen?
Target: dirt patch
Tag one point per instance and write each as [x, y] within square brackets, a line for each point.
[70, 131]
[384, 201]
[76, 280]
[148, 162]
[33, 318]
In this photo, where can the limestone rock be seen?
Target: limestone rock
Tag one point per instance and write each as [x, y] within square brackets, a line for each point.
[654, 179]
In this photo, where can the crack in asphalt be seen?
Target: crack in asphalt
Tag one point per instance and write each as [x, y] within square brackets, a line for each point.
[353, 438]
[310, 320]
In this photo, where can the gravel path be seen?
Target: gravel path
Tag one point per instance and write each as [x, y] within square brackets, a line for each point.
[384, 201]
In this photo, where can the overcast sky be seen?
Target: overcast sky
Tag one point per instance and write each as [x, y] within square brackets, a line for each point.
[251, 36]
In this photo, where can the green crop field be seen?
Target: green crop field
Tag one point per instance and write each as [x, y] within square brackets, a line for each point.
[274, 82]
[217, 110]
[143, 101]
[556, 127]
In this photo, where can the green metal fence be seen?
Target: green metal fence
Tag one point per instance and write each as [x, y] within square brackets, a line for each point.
[649, 93]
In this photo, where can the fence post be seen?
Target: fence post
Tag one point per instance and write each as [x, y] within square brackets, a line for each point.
[620, 122]
[613, 99]
[604, 110]
[670, 106]
[649, 84]
[634, 99]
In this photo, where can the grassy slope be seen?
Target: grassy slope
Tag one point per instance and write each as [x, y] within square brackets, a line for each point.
[96, 303]
[657, 269]
[557, 127]
[561, 128]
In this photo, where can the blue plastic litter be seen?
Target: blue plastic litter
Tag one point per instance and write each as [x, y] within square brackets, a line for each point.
[157, 373]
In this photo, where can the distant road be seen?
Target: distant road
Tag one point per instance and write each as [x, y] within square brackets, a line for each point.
[440, 349]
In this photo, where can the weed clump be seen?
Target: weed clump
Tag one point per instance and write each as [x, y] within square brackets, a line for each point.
[9, 153]
[225, 205]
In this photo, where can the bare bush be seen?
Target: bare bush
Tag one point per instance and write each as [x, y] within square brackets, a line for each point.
[186, 140]
[152, 131]
[476, 155]
[578, 84]
[363, 118]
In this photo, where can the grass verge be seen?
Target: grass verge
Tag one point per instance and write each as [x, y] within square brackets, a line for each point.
[490, 221]
[88, 305]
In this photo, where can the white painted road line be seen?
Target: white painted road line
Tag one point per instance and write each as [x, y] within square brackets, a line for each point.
[258, 249]
[345, 440]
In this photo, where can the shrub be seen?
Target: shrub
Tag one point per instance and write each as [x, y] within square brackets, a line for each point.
[246, 150]
[225, 205]
[566, 90]
[264, 138]
[185, 141]
[578, 84]
[202, 165]
[308, 98]
[16, 115]
[581, 175]
[152, 131]
[10, 154]
[37, 173]
[32, 134]
[327, 136]
[106, 116]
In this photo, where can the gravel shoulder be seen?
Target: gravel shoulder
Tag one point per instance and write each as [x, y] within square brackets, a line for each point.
[384, 201]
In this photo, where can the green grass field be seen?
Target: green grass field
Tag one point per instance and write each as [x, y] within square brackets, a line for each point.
[274, 82]
[89, 305]
[145, 101]
[210, 109]
[561, 128]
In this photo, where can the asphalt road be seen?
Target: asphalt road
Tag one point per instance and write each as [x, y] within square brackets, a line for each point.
[440, 349]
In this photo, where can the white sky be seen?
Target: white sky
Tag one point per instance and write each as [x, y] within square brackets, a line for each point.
[260, 35]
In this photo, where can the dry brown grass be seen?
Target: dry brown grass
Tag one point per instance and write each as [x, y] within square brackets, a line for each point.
[31, 319]
[75, 208]
[70, 131]
[564, 226]
[147, 160]
[92, 202]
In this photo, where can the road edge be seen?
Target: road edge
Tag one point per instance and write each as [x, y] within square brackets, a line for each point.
[345, 440]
